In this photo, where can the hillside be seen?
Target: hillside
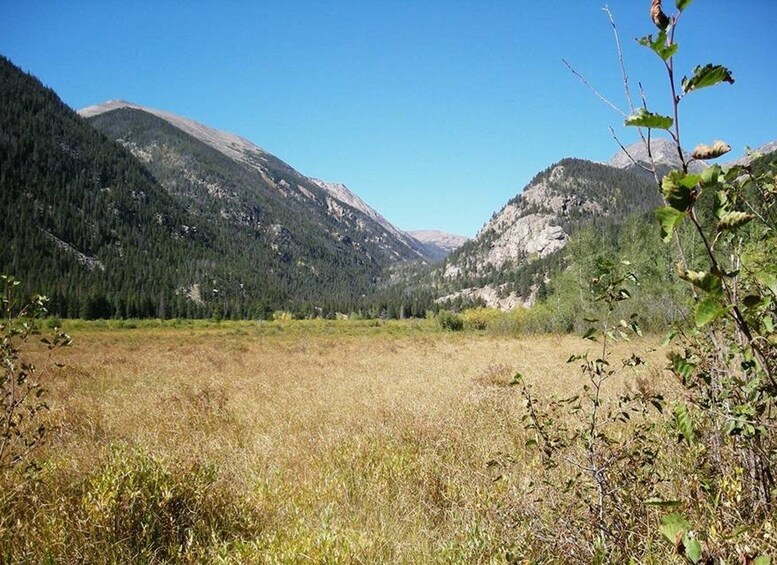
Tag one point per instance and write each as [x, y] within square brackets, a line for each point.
[191, 233]
[511, 255]
[83, 221]
[235, 179]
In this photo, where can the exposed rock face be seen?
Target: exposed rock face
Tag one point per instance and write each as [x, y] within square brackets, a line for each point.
[492, 296]
[522, 236]
[539, 222]
[530, 225]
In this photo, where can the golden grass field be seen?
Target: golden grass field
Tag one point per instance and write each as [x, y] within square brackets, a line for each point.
[324, 442]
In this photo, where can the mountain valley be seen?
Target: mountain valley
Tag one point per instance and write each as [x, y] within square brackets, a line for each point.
[159, 215]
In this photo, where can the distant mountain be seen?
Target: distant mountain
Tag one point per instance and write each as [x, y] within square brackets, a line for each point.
[263, 178]
[439, 244]
[664, 155]
[499, 267]
[763, 150]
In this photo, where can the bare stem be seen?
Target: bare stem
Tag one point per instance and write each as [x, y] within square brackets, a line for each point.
[596, 92]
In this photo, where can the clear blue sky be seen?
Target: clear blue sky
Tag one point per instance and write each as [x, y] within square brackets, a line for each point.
[435, 113]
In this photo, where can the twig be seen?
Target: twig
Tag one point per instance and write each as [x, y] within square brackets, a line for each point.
[626, 151]
[596, 92]
[620, 58]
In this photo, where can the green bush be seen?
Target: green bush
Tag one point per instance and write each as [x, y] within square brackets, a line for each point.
[450, 321]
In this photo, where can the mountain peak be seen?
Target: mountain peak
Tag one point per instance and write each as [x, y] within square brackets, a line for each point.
[664, 153]
[439, 244]
[230, 144]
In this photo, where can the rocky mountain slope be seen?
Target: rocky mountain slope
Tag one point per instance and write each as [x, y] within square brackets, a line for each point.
[664, 155]
[536, 224]
[513, 254]
[264, 183]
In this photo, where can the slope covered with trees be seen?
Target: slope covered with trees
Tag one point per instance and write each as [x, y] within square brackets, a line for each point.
[87, 224]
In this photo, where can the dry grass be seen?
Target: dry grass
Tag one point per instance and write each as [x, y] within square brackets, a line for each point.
[379, 446]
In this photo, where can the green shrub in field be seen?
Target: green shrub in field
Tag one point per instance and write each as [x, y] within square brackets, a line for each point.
[21, 387]
[449, 321]
[480, 318]
[282, 316]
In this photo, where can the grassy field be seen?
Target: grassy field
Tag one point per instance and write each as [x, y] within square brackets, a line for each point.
[295, 442]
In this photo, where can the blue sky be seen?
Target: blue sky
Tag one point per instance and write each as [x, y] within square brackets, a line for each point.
[435, 113]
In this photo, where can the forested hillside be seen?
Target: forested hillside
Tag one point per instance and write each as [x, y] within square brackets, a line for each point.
[87, 224]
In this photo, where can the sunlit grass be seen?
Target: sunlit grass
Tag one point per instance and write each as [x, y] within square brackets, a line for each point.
[285, 442]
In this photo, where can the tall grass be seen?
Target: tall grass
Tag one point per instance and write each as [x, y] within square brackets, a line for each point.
[299, 442]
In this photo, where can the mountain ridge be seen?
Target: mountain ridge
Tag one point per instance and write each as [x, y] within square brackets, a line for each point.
[248, 153]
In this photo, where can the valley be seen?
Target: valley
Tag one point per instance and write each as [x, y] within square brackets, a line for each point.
[217, 353]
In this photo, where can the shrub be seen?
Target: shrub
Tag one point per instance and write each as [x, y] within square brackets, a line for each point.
[450, 321]
[21, 387]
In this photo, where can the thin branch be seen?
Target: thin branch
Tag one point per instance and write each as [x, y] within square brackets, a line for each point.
[620, 58]
[647, 141]
[596, 92]
[626, 152]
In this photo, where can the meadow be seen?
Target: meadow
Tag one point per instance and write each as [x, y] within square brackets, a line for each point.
[297, 442]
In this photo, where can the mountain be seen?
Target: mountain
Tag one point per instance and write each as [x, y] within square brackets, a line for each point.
[762, 151]
[636, 158]
[506, 262]
[439, 244]
[523, 247]
[248, 176]
[164, 223]
[82, 220]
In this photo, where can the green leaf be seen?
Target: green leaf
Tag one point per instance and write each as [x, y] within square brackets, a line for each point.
[673, 526]
[668, 217]
[709, 177]
[669, 338]
[676, 187]
[769, 280]
[708, 75]
[644, 119]
[720, 204]
[683, 4]
[692, 548]
[660, 45]
[762, 560]
[684, 423]
[708, 311]
[590, 334]
[682, 367]
[734, 220]
[708, 282]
